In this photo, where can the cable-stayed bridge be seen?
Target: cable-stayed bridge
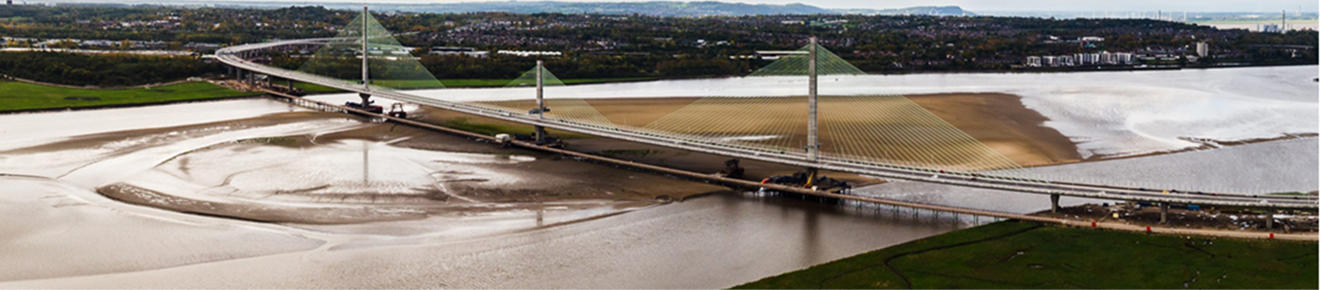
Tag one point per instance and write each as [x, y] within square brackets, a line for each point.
[842, 157]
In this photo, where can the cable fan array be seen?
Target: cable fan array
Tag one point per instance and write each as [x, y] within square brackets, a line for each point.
[390, 64]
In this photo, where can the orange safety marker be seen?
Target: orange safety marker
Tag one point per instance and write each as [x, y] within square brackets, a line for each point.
[1148, 229]
[1271, 236]
[1093, 224]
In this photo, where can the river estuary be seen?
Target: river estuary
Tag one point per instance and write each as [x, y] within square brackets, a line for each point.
[402, 208]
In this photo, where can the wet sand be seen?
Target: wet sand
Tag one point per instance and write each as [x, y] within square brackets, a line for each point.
[393, 188]
[1003, 123]
[644, 153]
[998, 120]
[317, 168]
[714, 241]
[498, 239]
[188, 228]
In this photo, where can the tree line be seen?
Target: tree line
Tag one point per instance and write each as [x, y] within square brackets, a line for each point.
[103, 70]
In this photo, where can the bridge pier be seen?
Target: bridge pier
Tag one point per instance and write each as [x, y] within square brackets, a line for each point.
[1054, 203]
[1269, 220]
[540, 135]
[366, 99]
[1164, 212]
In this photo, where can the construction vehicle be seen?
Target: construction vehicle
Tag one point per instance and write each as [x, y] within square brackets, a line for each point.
[811, 179]
[396, 110]
[503, 139]
[731, 169]
[365, 107]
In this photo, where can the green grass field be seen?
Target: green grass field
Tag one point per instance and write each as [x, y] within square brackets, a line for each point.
[460, 83]
[16, 96]
[1015, 254]
[484, 128]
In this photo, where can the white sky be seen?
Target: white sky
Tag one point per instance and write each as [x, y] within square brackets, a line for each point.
[970, 5]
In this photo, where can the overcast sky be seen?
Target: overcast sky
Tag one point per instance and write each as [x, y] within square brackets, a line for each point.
[987, 5]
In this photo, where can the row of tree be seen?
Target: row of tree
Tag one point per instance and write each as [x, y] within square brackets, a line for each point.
[576, 66]
[103, 70]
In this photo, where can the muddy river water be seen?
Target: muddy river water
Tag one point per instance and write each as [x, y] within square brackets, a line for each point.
[62, 229]
[258, 193]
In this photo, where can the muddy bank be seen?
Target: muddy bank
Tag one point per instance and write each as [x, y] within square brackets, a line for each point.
[334, 169]
[372, 172]
[1182, 217]
[997, 120]
[1003, 123]
[304, 214]
[53, 230]
[652, 248]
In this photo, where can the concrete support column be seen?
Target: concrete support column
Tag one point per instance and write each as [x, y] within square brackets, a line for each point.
[238, 74]
[366, 99]
[540, 135]
[1269, 220]
[540, 92]
[1054, 203]
[1164, 212]
[540, 103]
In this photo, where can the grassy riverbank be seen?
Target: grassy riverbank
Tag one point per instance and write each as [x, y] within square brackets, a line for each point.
[17, 96]
[1028, 255]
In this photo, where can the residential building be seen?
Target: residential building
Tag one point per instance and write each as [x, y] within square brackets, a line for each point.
[776, 54]
[1033, 61]
[463, 51]
[529, 53]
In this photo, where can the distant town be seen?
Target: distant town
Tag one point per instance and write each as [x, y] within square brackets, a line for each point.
[591, 45]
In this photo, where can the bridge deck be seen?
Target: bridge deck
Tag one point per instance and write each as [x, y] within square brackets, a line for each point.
[234, 56]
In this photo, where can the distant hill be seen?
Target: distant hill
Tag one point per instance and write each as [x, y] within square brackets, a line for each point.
[656, 8]
[918, 10]
[653, 8]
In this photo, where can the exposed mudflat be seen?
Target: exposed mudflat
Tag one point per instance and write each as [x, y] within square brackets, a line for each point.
[1110, 114]
[288, 200]
[260, 194]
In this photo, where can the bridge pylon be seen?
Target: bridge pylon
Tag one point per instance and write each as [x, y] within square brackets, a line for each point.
[813, 145]
[540, 100]
[366, 78]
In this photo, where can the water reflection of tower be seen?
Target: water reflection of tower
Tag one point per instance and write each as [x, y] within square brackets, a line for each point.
[365, 165]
